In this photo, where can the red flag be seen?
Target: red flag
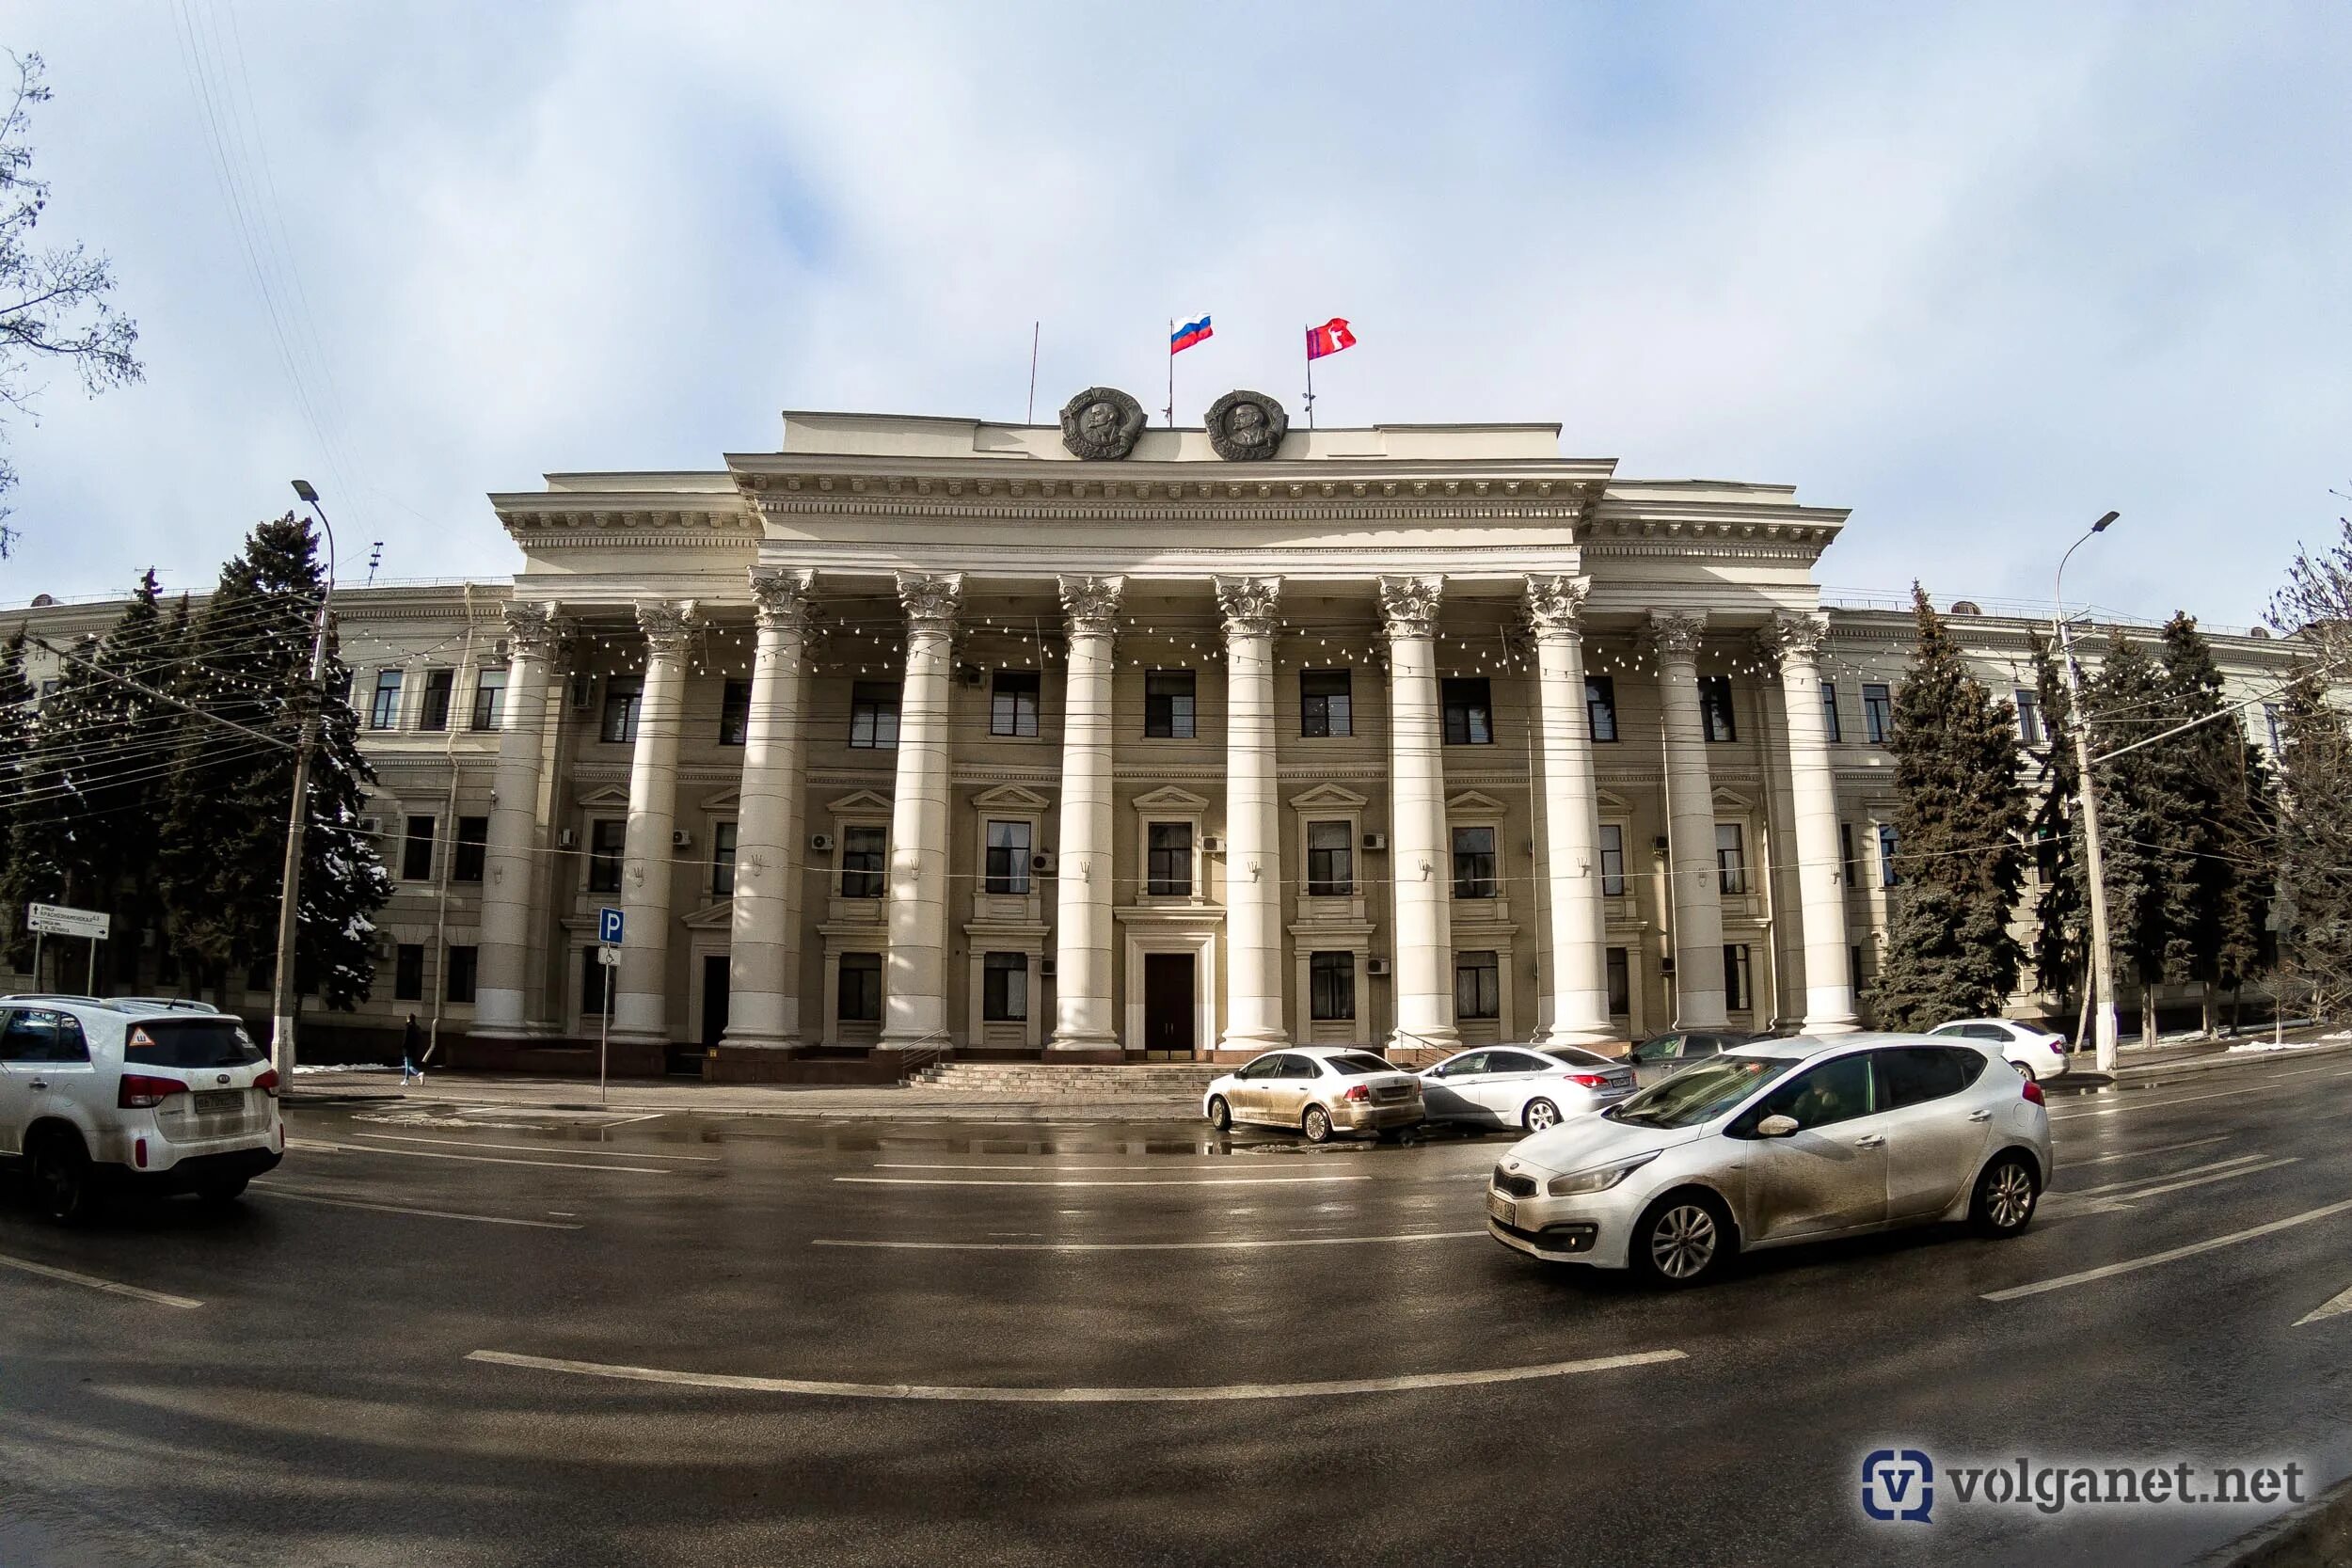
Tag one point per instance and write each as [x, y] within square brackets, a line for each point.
[1331, 337]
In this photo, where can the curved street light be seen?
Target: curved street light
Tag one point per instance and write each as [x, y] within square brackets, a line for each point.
[2102, 963]
[282, 991]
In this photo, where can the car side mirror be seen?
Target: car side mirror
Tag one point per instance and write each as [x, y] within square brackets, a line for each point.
[1776, 1127]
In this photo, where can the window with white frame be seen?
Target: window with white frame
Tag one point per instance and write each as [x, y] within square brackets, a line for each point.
[1168, 859]
[1731, 858]
[1477, 986]
[1005, 988]
[865, 854]
[1012, 704]
[1330, 859]
[1007, 867]
[1330, 986]
[1612, 859]
[1475, 862]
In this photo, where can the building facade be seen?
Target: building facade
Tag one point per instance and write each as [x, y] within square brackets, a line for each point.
[1100, 742]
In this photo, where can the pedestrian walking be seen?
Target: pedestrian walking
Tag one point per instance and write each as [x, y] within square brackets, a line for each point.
[411, 1038]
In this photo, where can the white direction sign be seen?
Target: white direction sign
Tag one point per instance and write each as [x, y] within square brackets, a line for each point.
[56, 920]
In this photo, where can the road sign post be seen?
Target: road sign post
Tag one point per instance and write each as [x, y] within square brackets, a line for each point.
[609, 929]
[58, 920]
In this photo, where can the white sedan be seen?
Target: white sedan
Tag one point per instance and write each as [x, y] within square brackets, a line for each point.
[1318, 1090]
[1523, 1085]
[2036, 1053]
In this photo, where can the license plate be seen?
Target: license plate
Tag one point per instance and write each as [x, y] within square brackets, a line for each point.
[1503, 1208]
[219, 1103]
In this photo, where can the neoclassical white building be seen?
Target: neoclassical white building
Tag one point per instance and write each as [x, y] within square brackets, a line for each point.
[924, 734]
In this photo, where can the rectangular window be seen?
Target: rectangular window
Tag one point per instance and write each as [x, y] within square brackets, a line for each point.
[1831, 730]
[608, 837]
[1845, 853]
[1168, 704]
[438, 685]
[622, 696]
[1005, 988]
[1469, 711]
[1330, 859]
[2274, 723]
[473, 849]
[1167, 870]
[383, 712]
[723, 859]
[1330, 986]
[857, 996]
[1600, 707]
[1477, 986]
[734, 713]
[416, 851]
[874, 716]
[408, 972]
[1887, 877]
[1878, 715]
[1008, 869]
[1012, 704]
[1620, 981]
[1611, 861]
[863, 850]
[1715, 707]
[1731, 859]
[489, 699]
[2028, 716]
[462, 961]
[1736, 995]
[1323, 703]
[592, 977]
[1473, 863]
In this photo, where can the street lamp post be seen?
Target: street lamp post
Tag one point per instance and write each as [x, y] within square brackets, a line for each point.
[2102, 963]
[283, 992]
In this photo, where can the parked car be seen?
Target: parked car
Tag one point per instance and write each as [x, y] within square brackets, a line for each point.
[96, 1095]
[1661, 1055]
[1522, 1085]
[2035, 1052]
[121, 1003]
[1319, 1089]
[1778, 1142]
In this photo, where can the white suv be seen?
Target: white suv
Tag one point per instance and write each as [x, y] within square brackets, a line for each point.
[97, 1094]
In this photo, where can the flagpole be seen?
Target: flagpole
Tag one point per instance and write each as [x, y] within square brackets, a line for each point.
[1310, 344]
[1036, 327]
[1170, 409]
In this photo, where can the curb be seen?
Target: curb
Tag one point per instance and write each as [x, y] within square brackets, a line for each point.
[1005, 1111]
[2217, 1061]
[2317, 1535]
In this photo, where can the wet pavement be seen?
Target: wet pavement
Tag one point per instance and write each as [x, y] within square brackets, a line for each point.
[446, 1333]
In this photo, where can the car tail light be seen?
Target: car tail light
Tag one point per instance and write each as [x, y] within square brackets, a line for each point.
[267, 1083]
[141, 1093]
[2033, 1092]
[1590, 1080]
[1357, 1091]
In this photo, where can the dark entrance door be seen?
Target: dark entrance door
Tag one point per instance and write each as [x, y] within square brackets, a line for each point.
[1168, 1004]
[714, 1013]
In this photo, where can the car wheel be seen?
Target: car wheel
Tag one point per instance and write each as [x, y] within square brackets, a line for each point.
[222, 1191]
[1316, 1125]
[1684, 1239]
[61, 1180]
[1220, 1113]
[2006, 1195]
[1540, 1116]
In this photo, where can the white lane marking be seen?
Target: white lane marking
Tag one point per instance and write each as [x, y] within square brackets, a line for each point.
[1076, 1396]
[110, 1287]
[1172, 1181]
[2336, 1307]
[474, 1159]
[2138, 1153]
[2162, 1176]
[1147, 1246]
[1053, 1169]
[272, 1190]
[2123, 1200]
[2184, 1100]
[2151, 1260]
[538, 1149]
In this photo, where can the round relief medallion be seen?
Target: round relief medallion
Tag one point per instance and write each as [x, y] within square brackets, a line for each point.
[1100, 423]
[1245, 426]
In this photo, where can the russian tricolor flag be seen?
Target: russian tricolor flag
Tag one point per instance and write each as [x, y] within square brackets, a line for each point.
[1190, 333]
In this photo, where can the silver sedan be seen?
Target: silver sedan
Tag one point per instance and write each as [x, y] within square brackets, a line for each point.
[1522, 1085]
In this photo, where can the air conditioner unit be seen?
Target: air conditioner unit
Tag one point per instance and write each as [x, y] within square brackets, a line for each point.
[1212, 846]
[1042, 864]
[971, 675]
[565, 838]
[822, 843]
[1375, 841]
[1046, 967]
[1376, 967]
[681, 838]
[370, 826]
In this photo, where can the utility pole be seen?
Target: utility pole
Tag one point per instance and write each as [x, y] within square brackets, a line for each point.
[282, 992]
[2102, 960]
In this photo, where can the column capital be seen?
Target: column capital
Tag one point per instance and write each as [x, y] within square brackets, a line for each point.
[1555, 605]
[1408, 606]
[1676, 632]
[1795, 636]
[667, 624]
[780, 597]
[1091, 603]
[533, 630]
[1248, 605]
[931, 598]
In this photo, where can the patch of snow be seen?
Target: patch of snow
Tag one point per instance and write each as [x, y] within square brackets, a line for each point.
[2259, 1046]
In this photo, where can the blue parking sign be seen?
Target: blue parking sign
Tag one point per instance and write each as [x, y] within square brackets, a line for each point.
[609, 927]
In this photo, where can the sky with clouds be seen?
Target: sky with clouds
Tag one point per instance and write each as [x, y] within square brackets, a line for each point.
[1978, 271]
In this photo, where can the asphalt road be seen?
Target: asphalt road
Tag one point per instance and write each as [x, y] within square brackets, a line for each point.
[501, 1338]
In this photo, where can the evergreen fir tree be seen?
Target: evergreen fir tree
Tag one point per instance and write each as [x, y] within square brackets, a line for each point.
[1959, 813]
[2127, 701]
[2061, 940]
[2216, 879]
[2314, 881]
[16, 732]
[48, 848]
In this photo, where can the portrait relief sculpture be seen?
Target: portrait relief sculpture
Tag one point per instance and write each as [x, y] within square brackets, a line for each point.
[1245, 426]
[1100, 423]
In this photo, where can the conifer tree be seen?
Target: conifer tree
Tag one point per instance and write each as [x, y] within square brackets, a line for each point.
[17, 723]
[2315, 879]
[2215, 864]
[2124, 701]
[2061, 942]
[1959, 814]
[48, 854]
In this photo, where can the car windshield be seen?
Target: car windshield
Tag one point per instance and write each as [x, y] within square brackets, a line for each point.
[1356, 1063]
[1697, 1093]
[190, 1042]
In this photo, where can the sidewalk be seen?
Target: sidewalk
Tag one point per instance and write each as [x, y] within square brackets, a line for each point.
[811, 1102]
[2169, 1058]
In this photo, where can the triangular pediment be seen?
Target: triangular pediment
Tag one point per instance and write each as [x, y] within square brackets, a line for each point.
[608, 797]
[716, 917]
[1012, 797]
[1169, 798]
[1470, 800]
[859, 803]
[1734, 800]
[1610, 801]
[1329, 795]
[727, 800]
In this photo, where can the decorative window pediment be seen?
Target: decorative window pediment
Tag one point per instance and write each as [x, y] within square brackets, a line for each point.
[1012, 797]
[863, 802]
[610, 797]
[726, 802]
[1167, 798]
[1328, 797]
[1471, 802]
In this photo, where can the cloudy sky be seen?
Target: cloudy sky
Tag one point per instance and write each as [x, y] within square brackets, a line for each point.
[1979, 273]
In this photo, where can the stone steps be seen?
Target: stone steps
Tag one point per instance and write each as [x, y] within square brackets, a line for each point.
[1074, 1080]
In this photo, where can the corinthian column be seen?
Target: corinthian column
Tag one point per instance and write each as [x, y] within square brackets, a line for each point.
[1253, 828]
[1580, 973]
[1699, 999]
[1423, 932]
[641, 1001]
[1083, 928]
[1829, 1008]
[510, 858]
[914, 985]
[763, 968]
